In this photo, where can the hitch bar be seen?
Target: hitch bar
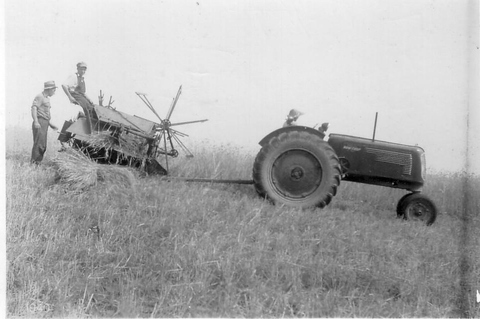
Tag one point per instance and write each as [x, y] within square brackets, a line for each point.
[211, 180]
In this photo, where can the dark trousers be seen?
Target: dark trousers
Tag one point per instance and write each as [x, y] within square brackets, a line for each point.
[82, 100]
[86, 106]
[39, 140]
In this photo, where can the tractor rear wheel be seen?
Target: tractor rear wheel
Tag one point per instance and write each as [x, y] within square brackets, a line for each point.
[418, 207]
[297, 169]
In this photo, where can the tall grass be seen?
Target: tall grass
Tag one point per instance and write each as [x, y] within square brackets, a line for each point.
[167, 248]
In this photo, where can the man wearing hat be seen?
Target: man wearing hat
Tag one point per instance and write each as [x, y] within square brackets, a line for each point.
[41, 121]
[292, 118]
[75, 88]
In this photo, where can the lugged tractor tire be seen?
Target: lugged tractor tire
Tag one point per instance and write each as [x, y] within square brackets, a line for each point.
[297, 169]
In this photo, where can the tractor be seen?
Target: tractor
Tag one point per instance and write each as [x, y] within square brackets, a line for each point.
[297, 167]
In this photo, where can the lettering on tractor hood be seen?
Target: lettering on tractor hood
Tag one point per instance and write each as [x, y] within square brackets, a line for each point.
[351, 148]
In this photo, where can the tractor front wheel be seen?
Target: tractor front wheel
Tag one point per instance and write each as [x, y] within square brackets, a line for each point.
[418, 207]
[400, 212]
[297, 169]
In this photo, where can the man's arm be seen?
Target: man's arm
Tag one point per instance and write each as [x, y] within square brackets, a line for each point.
[67, 92]
[35, 117]
[36, 124]
[53, 126]
[70, 82]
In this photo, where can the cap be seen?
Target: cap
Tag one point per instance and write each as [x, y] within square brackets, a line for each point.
[81, 65]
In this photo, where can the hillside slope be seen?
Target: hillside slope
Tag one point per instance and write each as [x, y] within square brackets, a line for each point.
[168, 248]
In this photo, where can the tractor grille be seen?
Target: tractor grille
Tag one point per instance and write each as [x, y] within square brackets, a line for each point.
[392, 157]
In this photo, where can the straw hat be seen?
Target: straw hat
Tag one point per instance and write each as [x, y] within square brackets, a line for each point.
[294, 114]
[49, 85]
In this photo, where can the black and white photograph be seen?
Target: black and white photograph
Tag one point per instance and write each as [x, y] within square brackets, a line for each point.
[273, 158]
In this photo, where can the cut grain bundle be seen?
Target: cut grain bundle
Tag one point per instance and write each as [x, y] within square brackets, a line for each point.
[125, 144]
[76, 169]
[79, 172]
[103, 139]
[117, 175]
[132, 145]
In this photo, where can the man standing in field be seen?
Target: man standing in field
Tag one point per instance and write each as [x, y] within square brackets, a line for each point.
[41, 121]
[75, 89]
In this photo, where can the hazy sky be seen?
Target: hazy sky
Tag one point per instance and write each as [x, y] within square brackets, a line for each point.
[245, 64]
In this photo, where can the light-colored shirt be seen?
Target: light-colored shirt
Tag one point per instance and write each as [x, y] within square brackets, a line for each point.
[72, 82]
[42, 103]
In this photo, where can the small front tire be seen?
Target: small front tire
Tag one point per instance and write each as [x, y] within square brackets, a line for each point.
[401, 201]
[418, 207]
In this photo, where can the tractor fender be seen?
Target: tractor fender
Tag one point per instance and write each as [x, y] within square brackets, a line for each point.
[292, 128]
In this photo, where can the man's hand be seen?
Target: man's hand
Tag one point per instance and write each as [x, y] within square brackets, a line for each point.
[36, 125]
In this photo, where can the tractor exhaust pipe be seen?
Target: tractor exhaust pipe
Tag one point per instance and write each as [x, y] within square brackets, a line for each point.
[375, 127]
